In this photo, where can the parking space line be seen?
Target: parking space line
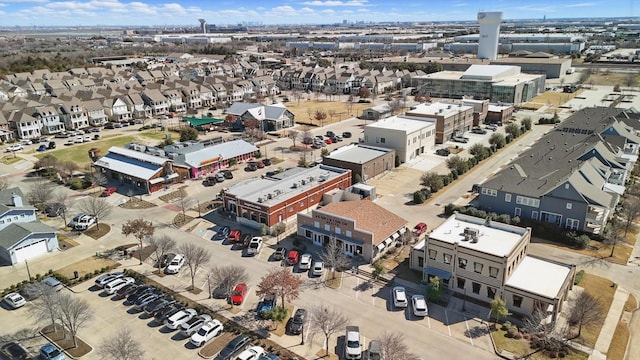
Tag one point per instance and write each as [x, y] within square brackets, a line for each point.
[468, 330]
[429, 322]
[447, 318]
[357, 286]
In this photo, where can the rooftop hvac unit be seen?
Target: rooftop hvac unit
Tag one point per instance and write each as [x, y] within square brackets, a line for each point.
[323, 177]
[270, 196]
[311, 179]
[303, 182]
[260, 199]
[471, 234]
[295, 185]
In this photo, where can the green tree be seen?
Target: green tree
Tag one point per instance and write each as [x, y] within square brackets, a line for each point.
[378, 270]
[513, 130]
[418, 197]
[431, 180]
[499, 309]
[479, 151]
[526, 122]
[435, 290]
[457, 164]
[497, 140]
[189, 133]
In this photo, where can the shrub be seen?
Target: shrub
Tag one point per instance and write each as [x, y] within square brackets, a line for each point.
[578, 277]
[418, 197]
[506, 325]
[276, 314]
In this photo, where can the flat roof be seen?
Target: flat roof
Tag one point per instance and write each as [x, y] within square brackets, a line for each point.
[357, 153]
[226, 150]
[445, 109]
[495, 238]
[276, 189]
[539, 277]
[408, 124]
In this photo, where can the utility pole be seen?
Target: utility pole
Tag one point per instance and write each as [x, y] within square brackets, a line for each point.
[28, 272]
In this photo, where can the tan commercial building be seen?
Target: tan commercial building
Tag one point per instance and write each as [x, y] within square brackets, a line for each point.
[451, 118]
[482, 259]
[409, 136]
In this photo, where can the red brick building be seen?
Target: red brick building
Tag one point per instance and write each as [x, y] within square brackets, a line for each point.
[278, 198]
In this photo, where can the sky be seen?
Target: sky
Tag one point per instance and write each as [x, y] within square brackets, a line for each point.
[268, 12]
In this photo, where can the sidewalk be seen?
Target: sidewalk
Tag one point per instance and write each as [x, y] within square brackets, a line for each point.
[609, 326]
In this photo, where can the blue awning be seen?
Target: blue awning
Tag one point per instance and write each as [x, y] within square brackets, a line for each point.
[442, 274]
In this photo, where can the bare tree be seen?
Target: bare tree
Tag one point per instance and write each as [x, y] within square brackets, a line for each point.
[393, 347]
[67, 168]
[41, 193]
[195, 256]
[630, 212]
[613, 236]
[280, 283]
[226, 277]
[75, 312]
[97, 207]
[61, 198]
[294, 135]
[306, 136]
[537, 325]
[184, 202]
[98, 178]
[163, 244]
[320, 116]
[140, 229]
[334, 257]
[586, 311]
[328, 321]
[332, 113]
[45, 302]
[121, 346]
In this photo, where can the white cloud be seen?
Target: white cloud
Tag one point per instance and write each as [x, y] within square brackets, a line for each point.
[336, 3]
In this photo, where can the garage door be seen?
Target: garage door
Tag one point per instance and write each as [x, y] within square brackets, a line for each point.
[31, 250]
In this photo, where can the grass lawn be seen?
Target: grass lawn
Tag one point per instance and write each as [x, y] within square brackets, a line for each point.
[554, 98]
[10, 159]
[305, 110]
[610, 78]
[601, 289]
[618, 346]
[631, 303]
[621, 253]
[334, 283]
[87, 266]
[521, 347]
[58, 337]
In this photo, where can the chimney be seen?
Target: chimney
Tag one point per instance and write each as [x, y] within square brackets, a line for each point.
[16, 200]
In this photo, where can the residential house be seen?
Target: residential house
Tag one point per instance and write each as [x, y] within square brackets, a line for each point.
[265, 117]
[117, 109]
[24, 125]
[154, 99]
[191, 96]
[137, 106]
[49, 119]
[95, 112]
[174, 100]
[73, 114]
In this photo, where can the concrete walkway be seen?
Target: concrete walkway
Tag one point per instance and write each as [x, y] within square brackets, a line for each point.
[610, 323]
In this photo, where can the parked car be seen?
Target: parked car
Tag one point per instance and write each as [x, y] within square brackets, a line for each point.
[206, 332]
[127, 290]
[330, 134]
[317, 269]
[252, 166]
[266, 304]
[260, 164]
[222, 233]
[51, 352]
[52, 145]
[14, 351]
[460, 139]
[133, 297]
[14, 147]
[108, 191]
[305, 262]
[252, 353]
[146, 299]
[399, 297]
[492, 127]
[234, 346]
[42, 148]
[255, 245]
[157, 305]
[53, 282]
[346, 134]
[352, 349]
[104, 279]
[478, 130]
[175, 265]
[179, 318]
[292, 258]
[297, 321]
[194, 324]
[118, 284]
[75, 219]
[245, 240]
[419, 305]
[239, 293]
[443, 152]
[165, 260]
[234, 236]
[167, 312]
[280, 253]
[219, 177]
[14, 300]
[375, 350]
[328, 141]
[85, 222]
[419, 228]
[227, 174]
[266, 162]
[55, 209]
[78, 140]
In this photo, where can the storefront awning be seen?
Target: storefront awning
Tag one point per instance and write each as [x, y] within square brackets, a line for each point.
[380, 246]
[442, 274]
[403, 230]
[388, 241]
[395, 236]
[163, 178]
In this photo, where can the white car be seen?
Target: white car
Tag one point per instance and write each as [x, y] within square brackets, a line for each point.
[14, 147]
[399, 297]
[194, 324]
[175, 265]
[78, 140]
[176, 320]
[14, 300]
[317, 269]
[85, 222]
[118, 284]
[419, 305]
[207, 332]
[305, 262]
[104, 279]
[255, 245]
[252, 353]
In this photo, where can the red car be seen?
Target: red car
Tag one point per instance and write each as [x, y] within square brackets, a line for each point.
[328, 141]
[108, 191]
[234, 236]
[238, 294]
[260, 164]
[292, 258]
[419, 229]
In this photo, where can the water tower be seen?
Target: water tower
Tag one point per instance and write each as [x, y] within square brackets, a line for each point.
[203, 25]
[489, 34]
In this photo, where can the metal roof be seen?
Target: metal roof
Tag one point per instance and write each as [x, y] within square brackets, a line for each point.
[227, 150]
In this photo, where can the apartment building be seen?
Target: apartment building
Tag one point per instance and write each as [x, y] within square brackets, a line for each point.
[451, 118]
[409, 136]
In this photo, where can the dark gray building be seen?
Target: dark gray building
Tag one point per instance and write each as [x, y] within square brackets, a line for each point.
[364, 160]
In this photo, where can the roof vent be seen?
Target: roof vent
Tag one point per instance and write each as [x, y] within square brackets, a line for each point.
[471, 234]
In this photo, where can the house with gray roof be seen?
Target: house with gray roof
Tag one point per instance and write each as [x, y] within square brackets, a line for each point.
[572, 177]
[202, 160]
[22, 235]
[265, 117]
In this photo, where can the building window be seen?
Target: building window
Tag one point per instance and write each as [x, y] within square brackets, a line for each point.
[316, 224]
[348, 233]
[573, 224]
[534, 215]
[432, 254]
[491, 292]
[493, 272]
[477, 267]
[527, 201]
[489, 192]
[462, 263]
[383, 140]
[461, 282]
[420, 261]
[475, 287]
[517, 301]
[337, 230]
[569, 205]
[446, 258]
[517, 212]
[327, 227]
[307, 234]
[507, 197]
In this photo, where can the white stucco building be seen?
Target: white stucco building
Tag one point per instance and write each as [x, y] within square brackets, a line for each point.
[409, 136]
